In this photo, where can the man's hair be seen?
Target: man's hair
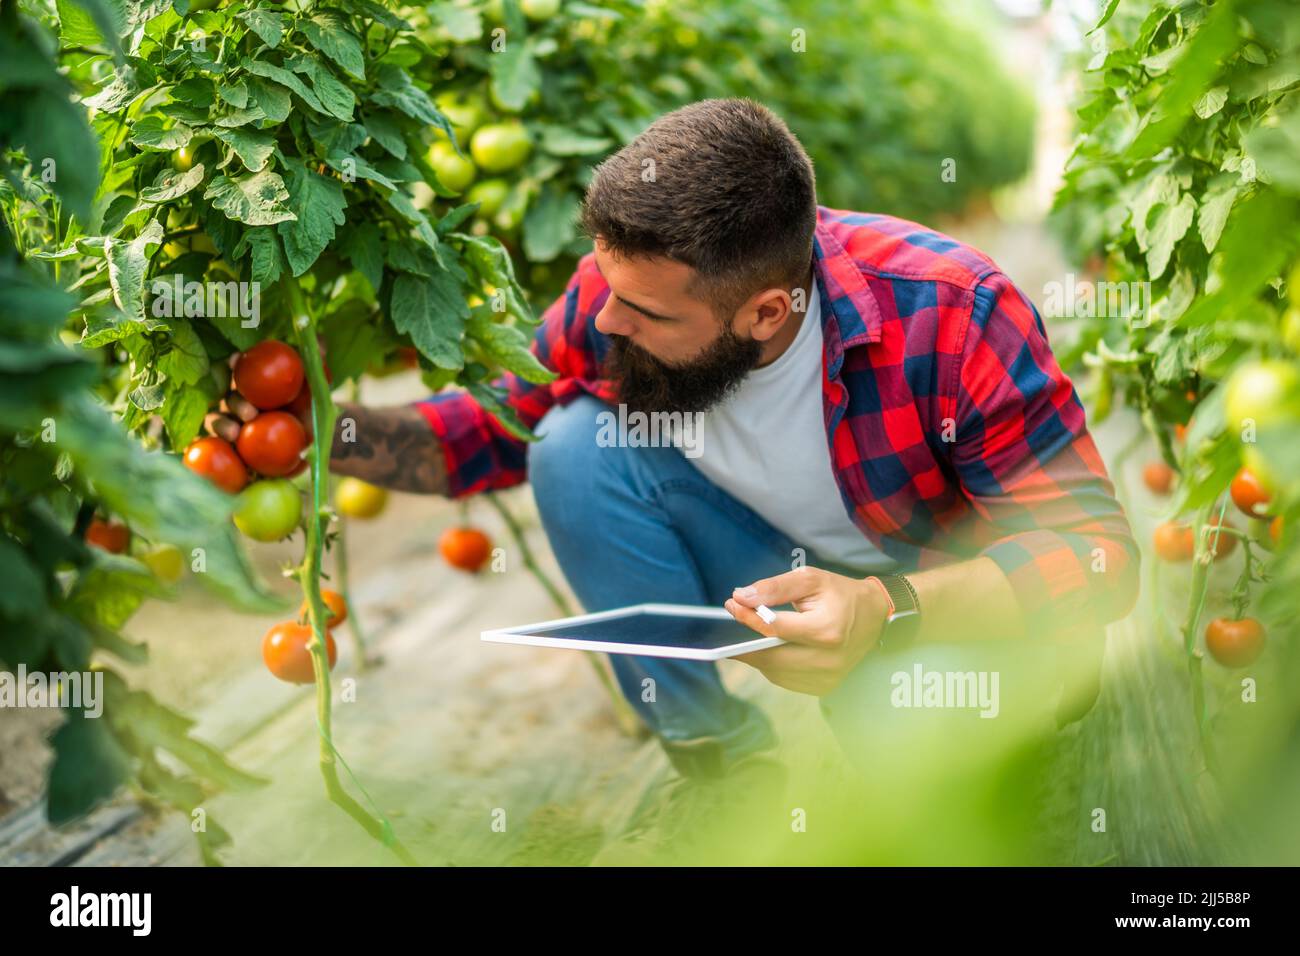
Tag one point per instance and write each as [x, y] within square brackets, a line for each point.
[720, 185]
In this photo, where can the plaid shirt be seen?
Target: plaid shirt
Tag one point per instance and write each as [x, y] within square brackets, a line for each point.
[952, 430]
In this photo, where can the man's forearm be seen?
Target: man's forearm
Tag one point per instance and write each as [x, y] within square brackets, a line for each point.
[391, 447]
[969, 600]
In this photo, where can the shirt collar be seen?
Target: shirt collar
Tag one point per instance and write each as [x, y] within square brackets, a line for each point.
[850, 314]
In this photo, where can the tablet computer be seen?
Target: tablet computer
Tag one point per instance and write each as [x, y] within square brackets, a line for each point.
[646, 630]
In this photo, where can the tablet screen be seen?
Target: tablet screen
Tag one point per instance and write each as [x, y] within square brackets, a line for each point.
[661, 630]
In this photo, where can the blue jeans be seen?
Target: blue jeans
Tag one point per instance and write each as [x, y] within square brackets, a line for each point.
[638, 525]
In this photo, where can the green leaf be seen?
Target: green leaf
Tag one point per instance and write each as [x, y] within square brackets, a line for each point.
[397, 91]
[171, 184]
[114, 326]
[328, 32]
[58, 142]
[271, 99]
[462, 24]
[1210, 102]
[266, 256]
[1276, 151]
[256, 200]
[183, 414]
[318, 203]
[236, 94]
[118, 94]
[89, 766]
[150, 132]
[562, 141]
[377, 12]
[361, 246]
[186, 361]
[128, 263]
[90, 23]
[335, 96]
[267, 24]
[385, 130]
[515, 76]
[23, 594]
[252, 147]
[145, 720]
[550, 224]
[1171, 223]
[197, 91]
[286, 79]
[432, 312]
[507, 345]
[1106, 14]
[493, 400]
[1213, 215]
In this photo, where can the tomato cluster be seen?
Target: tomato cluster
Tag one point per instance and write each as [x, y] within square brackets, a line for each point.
[261, 429]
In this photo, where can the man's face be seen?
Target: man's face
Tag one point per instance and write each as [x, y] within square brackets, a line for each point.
[668, 350]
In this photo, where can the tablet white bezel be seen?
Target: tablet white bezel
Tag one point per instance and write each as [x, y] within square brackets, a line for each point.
[524, 634]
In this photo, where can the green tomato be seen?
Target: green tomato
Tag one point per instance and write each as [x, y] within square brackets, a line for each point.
[455, 172]
[1263, 392]
[498, 147]
[539, 9]
[489, 194]
[183, 159]
[465, 114]
[268, 510]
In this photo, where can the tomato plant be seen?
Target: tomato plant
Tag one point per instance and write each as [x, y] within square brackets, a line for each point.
[1185, 184]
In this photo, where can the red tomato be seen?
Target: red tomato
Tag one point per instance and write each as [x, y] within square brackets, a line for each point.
[1159, 477]
[1175, 542]
[215, 460]
[465, 548]
[1249, 494]
[1275, 530]
[284, 649]
[272, 443]
[269, 374]
[1234, 643]
[111, 536]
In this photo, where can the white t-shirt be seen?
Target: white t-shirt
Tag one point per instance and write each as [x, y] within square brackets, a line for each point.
[766, 446]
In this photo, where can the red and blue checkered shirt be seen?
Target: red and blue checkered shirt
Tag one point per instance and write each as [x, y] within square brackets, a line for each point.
[953, 431]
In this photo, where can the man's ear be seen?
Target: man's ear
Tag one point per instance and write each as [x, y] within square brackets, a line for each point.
[770, 310]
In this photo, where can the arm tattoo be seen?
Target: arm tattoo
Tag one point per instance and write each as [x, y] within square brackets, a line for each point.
[391, 447]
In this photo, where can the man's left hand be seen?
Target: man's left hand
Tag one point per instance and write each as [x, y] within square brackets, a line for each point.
[836, 621]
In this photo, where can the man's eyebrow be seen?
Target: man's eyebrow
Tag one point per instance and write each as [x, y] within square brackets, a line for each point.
[657, 316]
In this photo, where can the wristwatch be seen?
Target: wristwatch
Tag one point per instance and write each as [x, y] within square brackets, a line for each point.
[904, 620]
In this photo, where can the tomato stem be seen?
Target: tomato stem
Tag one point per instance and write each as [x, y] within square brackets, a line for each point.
[1196, 606]
[323, 416]
[355, 627]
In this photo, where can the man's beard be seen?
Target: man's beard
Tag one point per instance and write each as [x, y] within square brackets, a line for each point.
[647, 384]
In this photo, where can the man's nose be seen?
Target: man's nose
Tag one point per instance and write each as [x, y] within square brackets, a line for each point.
[608, 322]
